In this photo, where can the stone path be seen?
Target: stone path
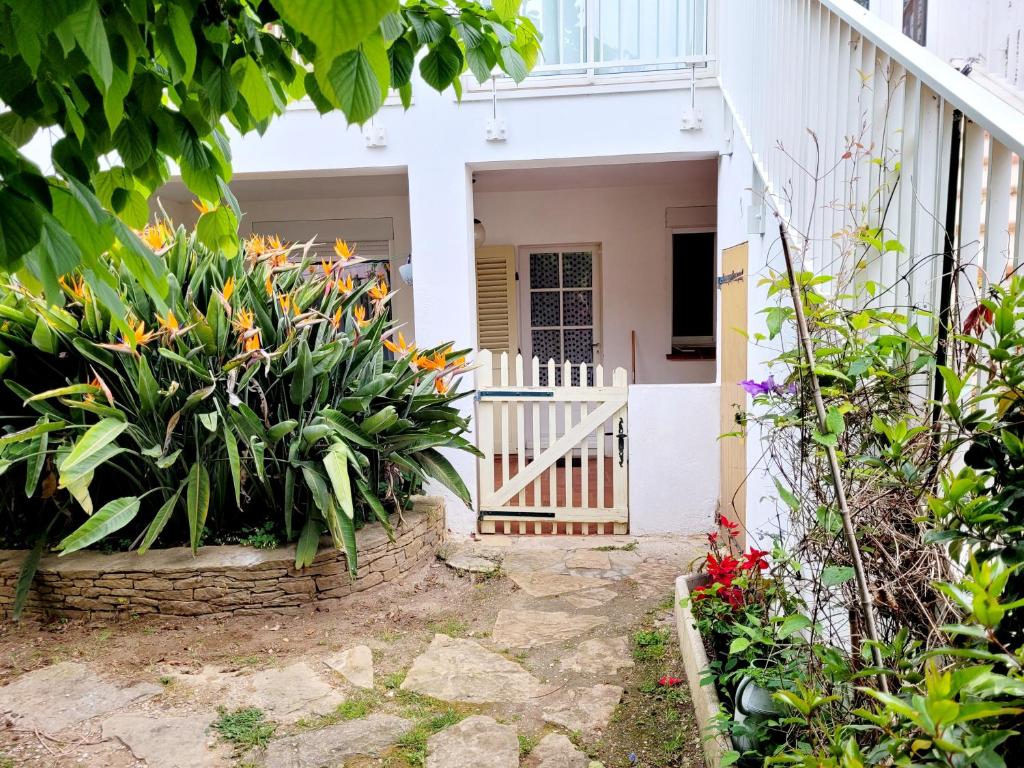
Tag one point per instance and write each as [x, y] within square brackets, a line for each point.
[544, 661]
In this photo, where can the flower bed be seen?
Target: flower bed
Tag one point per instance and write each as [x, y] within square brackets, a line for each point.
[221, 581]
[695, 660]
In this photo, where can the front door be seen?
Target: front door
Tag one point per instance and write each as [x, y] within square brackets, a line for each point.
[559, 299]
[733, 446]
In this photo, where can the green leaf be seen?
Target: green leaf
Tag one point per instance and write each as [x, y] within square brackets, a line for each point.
[184, 38]
[354, 78]
[90, 449]
[21, 226]
[506, 9]
[442, 64]
[438, 467]
[254, 87]
[86, 25]
[738, 645]
[112, 516]
[197, 502]
[308, 543]
[834, 575]
[233, 462]
[35, 460]
[218, 230]
[834, 421]
[787, 495]
[795, 623]
[32, 432]
[160, 520]
[149, 390]
[513, 64]
[376, 507]
[336, 464]
[302, 375]
[402, 59]
[27, 575]
[335, 27]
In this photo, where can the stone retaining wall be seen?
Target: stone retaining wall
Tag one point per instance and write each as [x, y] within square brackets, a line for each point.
[221, 581]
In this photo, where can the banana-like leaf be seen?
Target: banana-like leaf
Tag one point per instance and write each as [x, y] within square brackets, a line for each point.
[112, 516]
[160, 520]
[84, 456]
[438, 467]
[233, 462]
[336, 464]
[375, 505]
[34, 462]
[197, 501]
[308, 543]
[42, 426]
[347, 428]
[73, 389]
[27, 575]
[302, 375]
[149, 390]
[325, 503]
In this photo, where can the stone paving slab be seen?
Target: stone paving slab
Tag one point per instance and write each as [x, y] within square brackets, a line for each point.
[285, 694]
[528, 629]
[601, 655]
[60, 696]
[550, 584]
[475, 742]
[556, 751]
[456, 669]
[583, 709]
[167, 741]
[333, 745]
[355, 665]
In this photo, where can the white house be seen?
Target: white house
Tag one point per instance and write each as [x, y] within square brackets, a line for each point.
[625, 196]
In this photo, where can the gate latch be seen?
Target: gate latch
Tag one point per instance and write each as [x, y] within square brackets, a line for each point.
[621, 437]
[730, 277]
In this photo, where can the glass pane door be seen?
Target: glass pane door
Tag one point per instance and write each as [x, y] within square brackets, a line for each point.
[561, 313]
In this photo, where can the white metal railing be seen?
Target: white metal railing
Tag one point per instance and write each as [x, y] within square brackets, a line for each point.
[591, 38]
[791, 67]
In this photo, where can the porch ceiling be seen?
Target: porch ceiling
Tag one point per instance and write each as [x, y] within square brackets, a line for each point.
[666, 173]
[304, 187]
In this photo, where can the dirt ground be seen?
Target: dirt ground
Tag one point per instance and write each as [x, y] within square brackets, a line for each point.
[652, 727]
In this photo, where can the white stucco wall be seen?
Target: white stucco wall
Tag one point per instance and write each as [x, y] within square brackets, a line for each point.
[673, 458]
[735, 180]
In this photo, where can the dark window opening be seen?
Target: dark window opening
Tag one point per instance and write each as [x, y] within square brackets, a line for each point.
[693, 294]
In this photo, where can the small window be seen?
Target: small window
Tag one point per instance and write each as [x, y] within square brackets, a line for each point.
[693, 293]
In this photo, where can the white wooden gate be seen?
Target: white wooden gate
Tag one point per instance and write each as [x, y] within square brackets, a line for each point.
[554, 457]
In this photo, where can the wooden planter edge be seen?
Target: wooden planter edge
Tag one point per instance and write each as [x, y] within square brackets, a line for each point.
[695, 662]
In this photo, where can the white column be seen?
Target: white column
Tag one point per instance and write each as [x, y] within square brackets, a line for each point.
[444, 287]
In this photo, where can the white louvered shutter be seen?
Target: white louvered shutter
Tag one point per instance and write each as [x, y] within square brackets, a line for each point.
[497, 318]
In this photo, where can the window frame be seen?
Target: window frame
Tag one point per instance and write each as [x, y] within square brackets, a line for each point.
[697, 342]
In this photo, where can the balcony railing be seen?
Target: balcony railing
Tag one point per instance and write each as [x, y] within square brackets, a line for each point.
[592, 38]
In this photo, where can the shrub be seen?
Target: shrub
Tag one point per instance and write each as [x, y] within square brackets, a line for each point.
[265, 389]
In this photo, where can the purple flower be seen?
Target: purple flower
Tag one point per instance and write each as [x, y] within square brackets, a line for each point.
[767, 387]
[632, 758]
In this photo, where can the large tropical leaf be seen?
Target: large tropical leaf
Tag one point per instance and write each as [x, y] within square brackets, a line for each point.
[336, 464]
[160, 520]
[112, 516]
[197, 501]
[438, 467]
[88, 452]
[308, 543]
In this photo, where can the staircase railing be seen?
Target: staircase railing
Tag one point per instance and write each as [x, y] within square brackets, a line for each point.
[941, 172]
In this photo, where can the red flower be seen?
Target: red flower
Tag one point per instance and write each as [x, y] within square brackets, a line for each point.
[713, 538]
[755, 558]
[666, 680]
[732, 527]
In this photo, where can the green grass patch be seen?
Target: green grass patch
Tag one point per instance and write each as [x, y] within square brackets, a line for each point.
[527, 743]
[450, 626]
[630, 547]
[245, 728]
[649, 644]
[360, 705]
[393, 681]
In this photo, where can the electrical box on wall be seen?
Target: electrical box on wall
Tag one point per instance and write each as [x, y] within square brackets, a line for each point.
[375, 135]
[495, 130]
[693, 119]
